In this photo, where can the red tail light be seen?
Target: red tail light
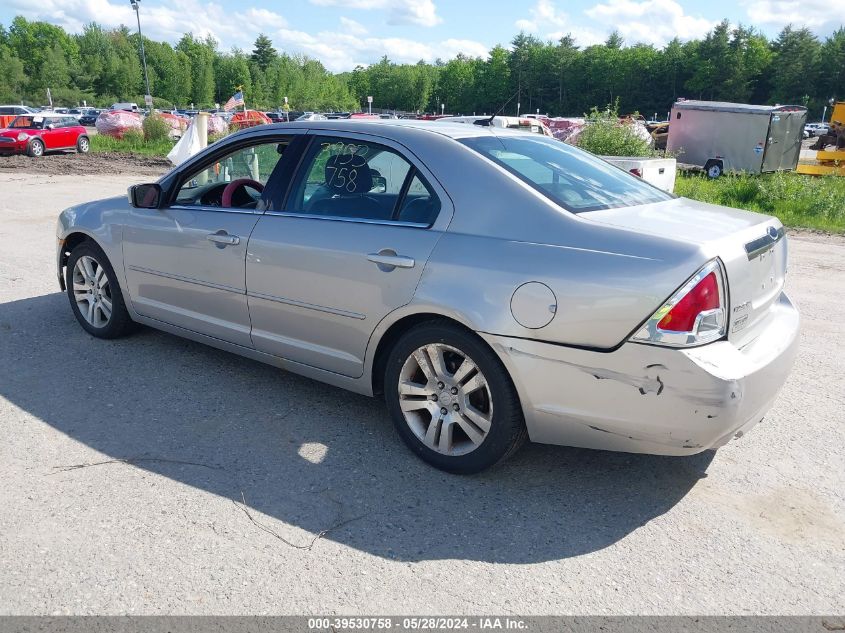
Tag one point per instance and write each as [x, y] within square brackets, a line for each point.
[695, 314]
[705, 296]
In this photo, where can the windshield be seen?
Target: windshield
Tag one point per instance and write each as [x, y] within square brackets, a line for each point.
[573, 178]
[28, 122]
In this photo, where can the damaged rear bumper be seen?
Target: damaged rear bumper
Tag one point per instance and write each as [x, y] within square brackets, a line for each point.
[650, 399]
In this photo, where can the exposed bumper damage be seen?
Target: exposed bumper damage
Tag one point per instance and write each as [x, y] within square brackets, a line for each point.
[649, 399]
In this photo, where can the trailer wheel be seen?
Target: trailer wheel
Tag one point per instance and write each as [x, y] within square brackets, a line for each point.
[713, 169]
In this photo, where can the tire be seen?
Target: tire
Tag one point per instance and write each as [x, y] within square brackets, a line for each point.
[713, 169]
[99, 320]
[449, 433]
[35, 148]
[83, 145]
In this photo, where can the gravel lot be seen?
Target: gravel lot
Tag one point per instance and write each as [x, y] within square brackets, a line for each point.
[756, 527]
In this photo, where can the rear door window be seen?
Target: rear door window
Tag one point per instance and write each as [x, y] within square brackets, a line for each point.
[347, 178]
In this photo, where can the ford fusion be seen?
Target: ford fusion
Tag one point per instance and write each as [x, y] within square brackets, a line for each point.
[491, 286]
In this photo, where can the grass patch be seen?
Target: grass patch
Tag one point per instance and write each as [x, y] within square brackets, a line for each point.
[131, 143]
[813, 202]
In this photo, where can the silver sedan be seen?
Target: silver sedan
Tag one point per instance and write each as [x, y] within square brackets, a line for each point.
[492, 286]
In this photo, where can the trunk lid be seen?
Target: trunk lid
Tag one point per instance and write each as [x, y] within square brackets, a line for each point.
[752, 247]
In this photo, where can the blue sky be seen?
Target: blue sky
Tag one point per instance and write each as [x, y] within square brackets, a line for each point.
[344, 33]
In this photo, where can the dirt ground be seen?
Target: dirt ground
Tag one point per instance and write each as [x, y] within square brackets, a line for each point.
[104, 163]
[153, 475]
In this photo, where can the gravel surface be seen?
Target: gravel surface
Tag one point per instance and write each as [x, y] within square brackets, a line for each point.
[124, 464]
[93, 163]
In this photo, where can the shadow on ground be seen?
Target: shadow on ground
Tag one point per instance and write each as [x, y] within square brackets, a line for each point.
[315, 456]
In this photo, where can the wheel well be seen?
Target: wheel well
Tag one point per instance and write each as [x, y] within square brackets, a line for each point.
[393, 333]
[72, 241]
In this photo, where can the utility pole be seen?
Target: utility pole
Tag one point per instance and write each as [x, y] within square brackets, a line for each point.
[148, 99]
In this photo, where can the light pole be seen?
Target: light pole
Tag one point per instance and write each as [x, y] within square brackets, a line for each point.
[135, 4]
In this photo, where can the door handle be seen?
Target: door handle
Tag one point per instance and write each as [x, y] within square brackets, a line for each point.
[223, 238]
[388, 260]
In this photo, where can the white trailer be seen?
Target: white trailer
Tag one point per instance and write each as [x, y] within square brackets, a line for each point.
[719, 137]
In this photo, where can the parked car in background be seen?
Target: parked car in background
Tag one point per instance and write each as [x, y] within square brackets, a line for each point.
[125, 105]
[492, 285]
[15, 110]
[523, 124]
[89, 118]
[9, 112]
[311, 116]
[817, 129]
[276, 117]
[36, 134]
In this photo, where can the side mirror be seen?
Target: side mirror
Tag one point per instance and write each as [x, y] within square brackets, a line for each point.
[379, 184]
[50, 126]
[146, 196]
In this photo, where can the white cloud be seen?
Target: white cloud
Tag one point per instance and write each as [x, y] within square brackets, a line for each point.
[650, 21]
[352, 27]
[230, 28]
[339, 51]
[817, 15]
[418, 12]
[448, 49]
[551, 23]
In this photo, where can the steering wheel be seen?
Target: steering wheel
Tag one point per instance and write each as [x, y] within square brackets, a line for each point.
[233, 186]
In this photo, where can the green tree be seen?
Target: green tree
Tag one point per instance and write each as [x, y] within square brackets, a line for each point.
[263, 54]
[796, 68]
[832, 79]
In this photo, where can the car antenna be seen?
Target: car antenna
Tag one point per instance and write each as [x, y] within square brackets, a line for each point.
[489, 122]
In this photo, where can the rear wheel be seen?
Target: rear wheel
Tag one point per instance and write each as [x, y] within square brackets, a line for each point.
[36, 148]
[83, 145]
[95, 296]
[451, 399]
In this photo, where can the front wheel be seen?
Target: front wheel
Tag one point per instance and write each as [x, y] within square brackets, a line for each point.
[94, 293]
[36, 148]
[451, 399]
[83, 145]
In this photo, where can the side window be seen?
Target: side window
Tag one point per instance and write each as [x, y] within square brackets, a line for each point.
[349, 179]
[252, 165]
[420, 205]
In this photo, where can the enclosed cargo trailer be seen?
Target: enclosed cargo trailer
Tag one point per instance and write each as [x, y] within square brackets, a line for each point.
[720, 137]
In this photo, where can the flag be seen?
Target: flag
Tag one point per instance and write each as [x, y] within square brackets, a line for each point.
[236, 100]
[187, 146]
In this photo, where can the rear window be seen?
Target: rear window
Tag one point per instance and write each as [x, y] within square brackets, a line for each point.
[573, 178]
[28, 122]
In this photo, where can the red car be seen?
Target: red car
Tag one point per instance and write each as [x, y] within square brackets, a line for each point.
[34, 134]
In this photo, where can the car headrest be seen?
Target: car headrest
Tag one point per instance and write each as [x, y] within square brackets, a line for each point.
[347, 174]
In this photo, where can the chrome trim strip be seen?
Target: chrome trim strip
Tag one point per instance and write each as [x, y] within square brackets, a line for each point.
[757, 247]
[190, 280]
[307, 216]
[181, 207]
[307, 306]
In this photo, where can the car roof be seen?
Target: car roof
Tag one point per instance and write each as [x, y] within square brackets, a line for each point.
[399, 129]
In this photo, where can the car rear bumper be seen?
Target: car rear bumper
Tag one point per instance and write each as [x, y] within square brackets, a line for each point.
[650, 399]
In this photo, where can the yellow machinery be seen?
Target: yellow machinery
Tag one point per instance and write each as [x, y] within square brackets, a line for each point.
[827, 162]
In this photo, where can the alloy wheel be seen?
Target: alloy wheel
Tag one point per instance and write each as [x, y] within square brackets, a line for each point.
[445, 399]
[92, 291]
